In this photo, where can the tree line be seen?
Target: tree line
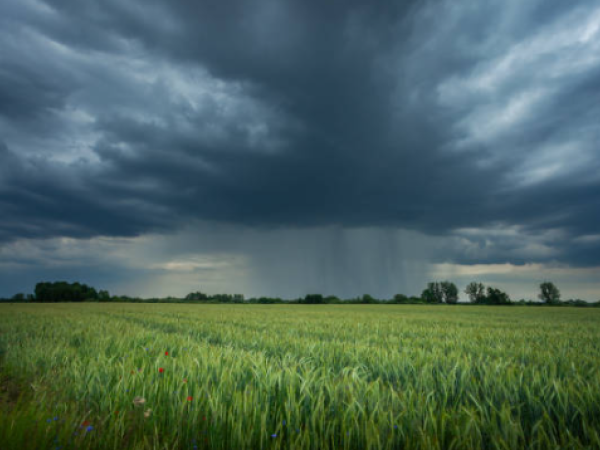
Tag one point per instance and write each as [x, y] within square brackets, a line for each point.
[436, 292]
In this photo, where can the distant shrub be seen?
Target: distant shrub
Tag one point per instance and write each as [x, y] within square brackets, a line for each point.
[61, 291]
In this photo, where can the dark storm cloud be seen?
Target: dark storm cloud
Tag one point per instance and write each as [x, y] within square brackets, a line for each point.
[121, 118]
[27, 95]
[41, 199]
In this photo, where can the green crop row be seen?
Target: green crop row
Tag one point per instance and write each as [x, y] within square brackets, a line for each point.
[98, 376]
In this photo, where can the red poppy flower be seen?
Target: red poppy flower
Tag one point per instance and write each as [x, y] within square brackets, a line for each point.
[166, 353]
[161, 370]
[190, 398]
[116, 412]
[132, 372]
[85, 423]
[185, 380]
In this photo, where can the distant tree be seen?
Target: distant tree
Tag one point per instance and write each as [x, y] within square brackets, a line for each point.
[103, 296]
[367, 299]
[433, 293]
[61, 291]
[265, 300]
[476, 292]
[20, 297]
[400, 298]
[196, 296]
[449, 292]
[549, 293]
[222, 298]
[313, 299]
[332, 299]
[496, 297]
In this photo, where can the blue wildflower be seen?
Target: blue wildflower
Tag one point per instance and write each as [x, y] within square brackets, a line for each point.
[274, 435]
[56, 418]
[284, 423]
[48, 420]
[89, 428]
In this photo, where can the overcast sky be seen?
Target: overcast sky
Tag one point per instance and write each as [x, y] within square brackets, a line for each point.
[279, 147]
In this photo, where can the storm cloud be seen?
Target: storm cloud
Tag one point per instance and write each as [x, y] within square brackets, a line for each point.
[473, 125]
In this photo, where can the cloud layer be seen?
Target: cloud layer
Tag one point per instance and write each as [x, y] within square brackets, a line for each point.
[472, 123]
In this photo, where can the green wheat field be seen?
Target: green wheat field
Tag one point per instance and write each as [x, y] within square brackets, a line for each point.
[120, 376]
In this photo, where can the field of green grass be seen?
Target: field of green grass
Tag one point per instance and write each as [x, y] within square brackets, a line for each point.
[114, 376]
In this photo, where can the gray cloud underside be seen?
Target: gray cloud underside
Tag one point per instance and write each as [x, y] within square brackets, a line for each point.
[122, 118]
